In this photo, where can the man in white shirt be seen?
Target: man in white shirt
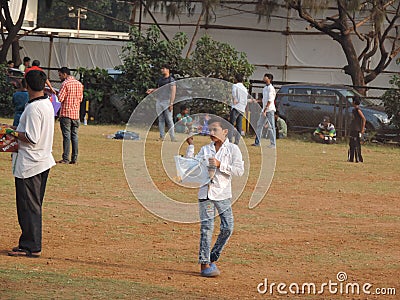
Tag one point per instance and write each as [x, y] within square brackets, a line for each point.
[239, 103]
[224, 161]
[267, 113]
[32, 163]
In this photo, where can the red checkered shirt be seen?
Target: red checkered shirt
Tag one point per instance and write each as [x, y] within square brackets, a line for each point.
[70, 96]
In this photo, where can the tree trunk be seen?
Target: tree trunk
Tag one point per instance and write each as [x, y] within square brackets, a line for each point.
[16, 57]
[353, 68]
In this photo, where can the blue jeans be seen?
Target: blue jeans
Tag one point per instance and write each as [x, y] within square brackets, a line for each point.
[236, 117]
[69, 129]
[207, 214]
[270, 119]
[165, 116]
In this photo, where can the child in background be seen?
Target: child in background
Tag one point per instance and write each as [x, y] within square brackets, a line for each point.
[204, 126]
[186, 121]
[19, 100]
[226, 160]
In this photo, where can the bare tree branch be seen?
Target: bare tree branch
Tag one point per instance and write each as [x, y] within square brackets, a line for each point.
[370, 53]
[296, 5]
[385, 58]
[354, 26]
[367, 46]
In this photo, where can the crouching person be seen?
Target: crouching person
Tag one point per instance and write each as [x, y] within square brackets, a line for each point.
[325, 132]
[224, 160]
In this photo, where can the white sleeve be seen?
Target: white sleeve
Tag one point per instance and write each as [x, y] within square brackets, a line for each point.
[33, 128]
[271, 94]
[234, 93]
[190, 151]
[233, 166]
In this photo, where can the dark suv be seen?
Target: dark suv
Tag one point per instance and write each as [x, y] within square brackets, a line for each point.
[304, 106]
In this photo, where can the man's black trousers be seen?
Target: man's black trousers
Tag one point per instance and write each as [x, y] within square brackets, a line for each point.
[30, 193]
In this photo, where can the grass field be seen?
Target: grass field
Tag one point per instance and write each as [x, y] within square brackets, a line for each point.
[320, 217]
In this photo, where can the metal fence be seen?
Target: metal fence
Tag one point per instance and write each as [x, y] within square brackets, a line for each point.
[303, 107]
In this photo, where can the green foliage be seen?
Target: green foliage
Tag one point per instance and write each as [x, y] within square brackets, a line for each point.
[7, 90]
[99, 86]
[219, 60]
[391, 99]
[57, 15]
[143, 57]
[146, 52]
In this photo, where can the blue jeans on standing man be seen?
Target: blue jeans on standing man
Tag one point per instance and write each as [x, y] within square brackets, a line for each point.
[236, 117]
[270, 119]
[165, 116]
[207, 213]
[69, 129]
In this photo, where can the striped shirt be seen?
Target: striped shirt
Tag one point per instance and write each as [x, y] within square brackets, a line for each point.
[70, 96]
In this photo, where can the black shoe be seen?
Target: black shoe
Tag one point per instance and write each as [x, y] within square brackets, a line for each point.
[63, 161]
[73, 162]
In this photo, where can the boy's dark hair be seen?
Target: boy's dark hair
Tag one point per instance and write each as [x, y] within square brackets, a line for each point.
[269, 75]
[36, 63]
[356, 100]
[166, 66]
[64, 70]
[36, 80]
[26, 59]
[239, 77]
[183, 107]
[10, 62]
[276, 113]
[222, 122]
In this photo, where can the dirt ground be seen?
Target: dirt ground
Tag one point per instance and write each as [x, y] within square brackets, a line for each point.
[321, 216]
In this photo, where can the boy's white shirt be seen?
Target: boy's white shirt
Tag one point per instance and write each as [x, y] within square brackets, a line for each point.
[231, 164]
[240, 93]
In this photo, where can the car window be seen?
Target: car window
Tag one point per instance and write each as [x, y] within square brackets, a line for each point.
[300, 95]
[325, 97]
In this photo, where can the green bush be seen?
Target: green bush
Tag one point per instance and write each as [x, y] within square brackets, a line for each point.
[7, 90]
[391, 99]
[143, 55]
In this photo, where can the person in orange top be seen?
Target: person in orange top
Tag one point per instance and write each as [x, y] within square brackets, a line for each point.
[36, 66]
[70, 96]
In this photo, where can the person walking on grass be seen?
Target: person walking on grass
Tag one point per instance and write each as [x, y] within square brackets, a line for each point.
[267, 113]
[357, 129]
[165, 102]
[32, 163]
[226, 160]
[70, 96]
[239, 103]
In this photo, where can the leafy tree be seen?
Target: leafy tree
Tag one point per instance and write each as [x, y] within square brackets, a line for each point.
[57, 16]
[143, 56]
[98, 90]
[12, 28]
[7, 89]
[391, 99]
[219, 60]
